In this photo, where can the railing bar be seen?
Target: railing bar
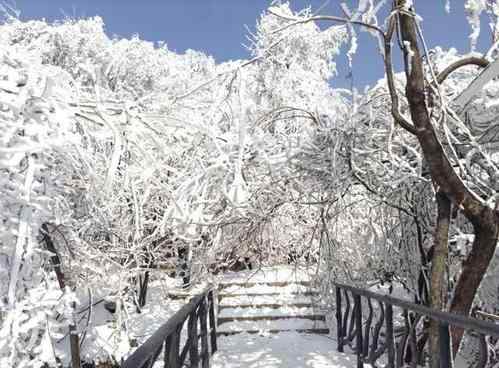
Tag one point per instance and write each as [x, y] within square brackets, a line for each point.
[351, 328]
[185, 349]
[154, 357]
[153, 344]
[193, 337]
[367, 329]
[483, 358]
[339, 328]
[173, 354]
[413, 340]
[445, 345]
[462, 321]
[213, 323]
[203, 316]
[345, 317]
[168, 345]
[389, 336]
[402, 344]
[377, 329]
[358, 328]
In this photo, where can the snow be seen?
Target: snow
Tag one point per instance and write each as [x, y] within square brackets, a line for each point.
[394, 289]
[474, 9]
[104, 340]
[489, 73]
[286, 349]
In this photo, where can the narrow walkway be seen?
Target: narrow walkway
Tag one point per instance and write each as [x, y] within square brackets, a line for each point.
[284, 350]
[272, 318]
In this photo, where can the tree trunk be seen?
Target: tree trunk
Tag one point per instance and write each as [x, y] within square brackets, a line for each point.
[474, 268]
[438, 289]
[484, 219]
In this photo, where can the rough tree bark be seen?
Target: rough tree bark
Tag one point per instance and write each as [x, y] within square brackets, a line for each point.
[438, 288]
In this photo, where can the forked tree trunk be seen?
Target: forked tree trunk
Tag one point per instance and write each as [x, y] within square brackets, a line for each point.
[438, 276]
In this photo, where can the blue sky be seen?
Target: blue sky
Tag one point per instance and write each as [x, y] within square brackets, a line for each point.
[216, 27]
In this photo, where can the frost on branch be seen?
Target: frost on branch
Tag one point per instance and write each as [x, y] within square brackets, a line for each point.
[474, 9]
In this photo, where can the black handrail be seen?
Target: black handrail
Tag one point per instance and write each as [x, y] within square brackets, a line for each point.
[199, 309]
[403, 345]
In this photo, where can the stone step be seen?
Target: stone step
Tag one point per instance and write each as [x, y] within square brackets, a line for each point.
[269, 300]
[257, 289]
[273, 293]
[265, 274]
[312, 317]
[248, 284]
[320, 331]
[268, 305]
[268, 311]
[292, 324]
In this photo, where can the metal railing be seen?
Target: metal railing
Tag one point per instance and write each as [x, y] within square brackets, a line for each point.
[403, 342]
[200, 309]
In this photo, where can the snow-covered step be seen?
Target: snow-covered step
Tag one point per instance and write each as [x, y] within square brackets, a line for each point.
[319, 331]
[248, 284]
[267, 305]
[266, 300]
[312, 317]
[268, 312]
[273, 326]
[276, 294]
[269, 274]
[265, 289]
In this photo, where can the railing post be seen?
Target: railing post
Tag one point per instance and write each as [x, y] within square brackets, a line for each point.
[358, 328]
[345, 316]
[74, 339]
[74, 342]
[445, 345]
[367, 329]
[483, 359]
[390, 344]
[338, 320]
[203, 316]
[402, 343]
[413, 341]
[213, 323]
[193, 337]
[172, 350]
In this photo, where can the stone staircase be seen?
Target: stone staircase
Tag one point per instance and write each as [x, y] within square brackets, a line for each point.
[268, 304]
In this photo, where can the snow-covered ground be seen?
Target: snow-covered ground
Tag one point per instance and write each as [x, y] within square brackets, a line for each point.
[103, 341]
[283, 350]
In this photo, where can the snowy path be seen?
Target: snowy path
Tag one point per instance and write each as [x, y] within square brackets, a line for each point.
[272, 319]
[283, 350]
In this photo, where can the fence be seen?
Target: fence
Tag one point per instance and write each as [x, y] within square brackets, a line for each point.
[401, 344]
[168, 337]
